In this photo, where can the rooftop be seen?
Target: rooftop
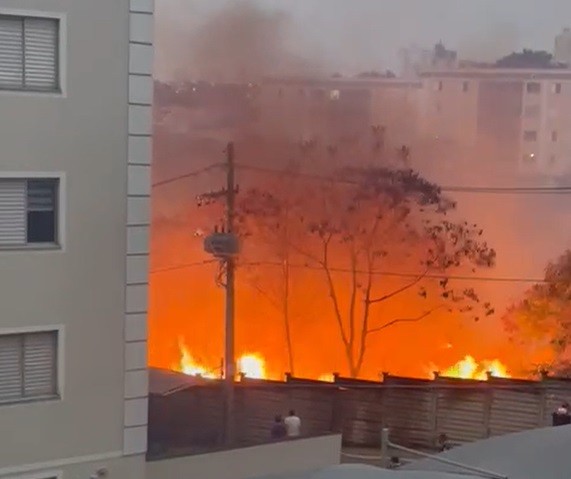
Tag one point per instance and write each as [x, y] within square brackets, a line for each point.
[342, 82]
[500, 74]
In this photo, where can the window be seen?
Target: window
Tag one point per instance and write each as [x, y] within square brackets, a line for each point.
[530, 135]
[533, 87]
[439, 85]
[529, 158]
[465, 86]
[28, 212]
[554, 136]
[557, 88]
[29, 53]
[28, 366]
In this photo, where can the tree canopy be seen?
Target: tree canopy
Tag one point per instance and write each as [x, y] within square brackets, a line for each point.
[541, 320]
[527, 59]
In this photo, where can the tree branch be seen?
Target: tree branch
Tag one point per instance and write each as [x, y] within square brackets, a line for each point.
[400, 290]
[333, 294]
[404, 320]
[300, 251]
[366, 312]
[353, 300]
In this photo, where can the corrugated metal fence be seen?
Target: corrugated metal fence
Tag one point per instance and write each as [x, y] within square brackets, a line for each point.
[417, 411]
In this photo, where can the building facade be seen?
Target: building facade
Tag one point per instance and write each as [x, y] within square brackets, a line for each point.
[337, 110]
[75, 129]
[562, 50]
[519, 117]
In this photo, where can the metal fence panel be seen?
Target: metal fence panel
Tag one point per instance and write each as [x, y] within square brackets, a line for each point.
[461, 414]
[515, 410]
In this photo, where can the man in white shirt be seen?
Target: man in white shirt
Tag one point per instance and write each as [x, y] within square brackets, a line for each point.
[293, 424]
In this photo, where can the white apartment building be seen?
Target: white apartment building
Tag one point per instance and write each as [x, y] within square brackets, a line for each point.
[518, 117]
[75, 136]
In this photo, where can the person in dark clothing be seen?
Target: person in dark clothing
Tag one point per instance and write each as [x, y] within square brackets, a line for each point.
[562, 417]
[279, 430]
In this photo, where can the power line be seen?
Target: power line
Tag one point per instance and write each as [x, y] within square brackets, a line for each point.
[375, 273]
[405, 275]
[450, 189]
[394, 274]
[181, 266]
[187, 175]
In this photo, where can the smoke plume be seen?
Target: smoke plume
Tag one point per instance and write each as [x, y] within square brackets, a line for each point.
[238, 42]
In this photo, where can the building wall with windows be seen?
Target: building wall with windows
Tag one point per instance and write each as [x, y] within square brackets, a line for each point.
[516, 116]
[75, 127]
[334, 111]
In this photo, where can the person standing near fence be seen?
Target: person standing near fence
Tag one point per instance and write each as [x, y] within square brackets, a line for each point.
[562, 416]
[279, 430]
[293, 425]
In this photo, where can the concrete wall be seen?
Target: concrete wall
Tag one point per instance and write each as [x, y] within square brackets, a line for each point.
[83, 134]
[81, 468]
[282, 458]
[416, 410]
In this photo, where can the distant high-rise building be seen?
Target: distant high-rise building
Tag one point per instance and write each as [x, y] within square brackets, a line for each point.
[415, 60]
[562, 51]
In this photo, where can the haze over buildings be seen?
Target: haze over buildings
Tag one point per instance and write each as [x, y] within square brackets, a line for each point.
[366, 34]
[467, 124]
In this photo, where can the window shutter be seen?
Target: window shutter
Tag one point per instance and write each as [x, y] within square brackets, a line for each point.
[41, 53]
[11, 52]
[11, 374]
[12, 212]
[40, 364]
[41, 195]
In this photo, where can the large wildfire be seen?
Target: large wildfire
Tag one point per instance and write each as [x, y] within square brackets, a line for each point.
[253, 366]
[186, 300]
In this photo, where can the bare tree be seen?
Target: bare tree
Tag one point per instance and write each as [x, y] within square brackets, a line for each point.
[357, 226]
[273, 227]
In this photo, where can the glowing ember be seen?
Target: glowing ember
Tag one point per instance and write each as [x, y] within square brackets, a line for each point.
[469, 368]
[326, 378]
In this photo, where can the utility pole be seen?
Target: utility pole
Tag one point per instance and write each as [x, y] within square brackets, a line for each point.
[224, 246]
[229, 359]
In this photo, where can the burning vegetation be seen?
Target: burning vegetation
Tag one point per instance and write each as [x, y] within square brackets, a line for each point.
[253, 366]
[351, 261]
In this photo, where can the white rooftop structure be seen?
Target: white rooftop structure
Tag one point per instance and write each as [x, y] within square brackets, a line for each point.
[534, 454]
[361, 471]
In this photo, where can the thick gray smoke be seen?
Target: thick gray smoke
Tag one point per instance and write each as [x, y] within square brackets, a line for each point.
[238, 42]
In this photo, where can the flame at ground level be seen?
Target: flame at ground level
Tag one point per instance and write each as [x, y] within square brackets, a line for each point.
[250, 365]
[469, 368]
[253, 366]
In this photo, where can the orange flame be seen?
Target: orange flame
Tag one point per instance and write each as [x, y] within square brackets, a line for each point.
[469, 368]
[252, 366]
[189, 366]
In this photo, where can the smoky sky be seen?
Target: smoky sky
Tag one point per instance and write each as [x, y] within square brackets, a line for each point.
[356, 35]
